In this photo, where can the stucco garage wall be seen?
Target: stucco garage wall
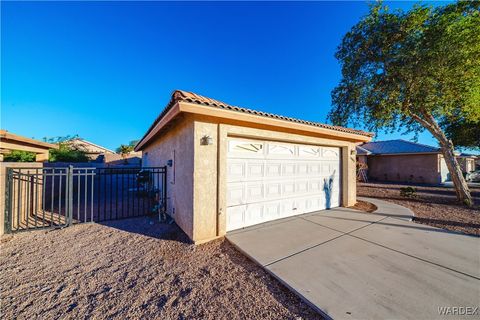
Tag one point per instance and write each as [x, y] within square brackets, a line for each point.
[205, 181]
[210, 168]
[405, 168]
[177, 145]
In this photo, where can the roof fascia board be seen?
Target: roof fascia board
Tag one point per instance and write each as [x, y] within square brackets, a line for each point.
[172, 113]
[5, 135]
[404, 154]
[228, 114]
[94, 145]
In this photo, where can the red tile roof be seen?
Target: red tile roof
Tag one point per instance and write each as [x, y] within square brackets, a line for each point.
[185, 96]
[180, 95]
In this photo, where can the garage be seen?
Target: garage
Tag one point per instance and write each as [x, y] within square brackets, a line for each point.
[230, 168]
[268, 180]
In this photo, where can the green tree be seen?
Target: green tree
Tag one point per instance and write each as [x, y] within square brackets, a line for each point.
[19, 156]
[66, 151]
[464, 134]
[60, 139]
[126, 149]
[414, 70]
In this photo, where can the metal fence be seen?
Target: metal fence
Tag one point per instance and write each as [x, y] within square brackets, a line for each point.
[59, 197]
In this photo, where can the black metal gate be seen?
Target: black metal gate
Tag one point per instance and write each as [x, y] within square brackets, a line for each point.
[58, 197]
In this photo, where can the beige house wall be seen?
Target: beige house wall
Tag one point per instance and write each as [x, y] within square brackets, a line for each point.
[421, 168]
[176, 145]
[210, 168]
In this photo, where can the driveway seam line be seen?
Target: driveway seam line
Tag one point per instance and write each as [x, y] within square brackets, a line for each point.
[319, 244]
[394, 250]
[412, 256]
[370, 223]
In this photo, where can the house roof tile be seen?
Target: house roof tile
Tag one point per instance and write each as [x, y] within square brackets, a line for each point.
[180, 95]
[185, 96]
[362, 151]
[397, 146]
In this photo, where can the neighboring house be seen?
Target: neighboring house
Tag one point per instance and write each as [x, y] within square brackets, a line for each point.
[404, 161]
[467, 162]
[132, 158]
[362, 154]
[230, 167]
[93, 151]
[10, 142]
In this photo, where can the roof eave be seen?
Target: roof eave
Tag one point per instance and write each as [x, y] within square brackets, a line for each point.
[194, 108]
[404, 153]
[36, 143]
[171, 113]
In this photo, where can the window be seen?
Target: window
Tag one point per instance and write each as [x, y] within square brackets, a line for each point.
[246, 147]
[281, 149]
[307, 151]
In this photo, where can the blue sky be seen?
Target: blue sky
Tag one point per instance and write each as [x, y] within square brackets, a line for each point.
[105, 70]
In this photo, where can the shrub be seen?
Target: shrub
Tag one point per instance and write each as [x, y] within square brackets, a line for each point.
[408, 192]
[67, 153]
[19, 156]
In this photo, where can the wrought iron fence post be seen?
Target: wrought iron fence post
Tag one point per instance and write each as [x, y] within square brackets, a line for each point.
[164, 190]
[8, 201]
[70, 194]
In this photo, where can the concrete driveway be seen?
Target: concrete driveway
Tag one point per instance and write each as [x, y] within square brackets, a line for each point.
[352, 265]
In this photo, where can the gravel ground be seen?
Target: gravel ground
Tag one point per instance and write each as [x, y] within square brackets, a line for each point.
[434, 206]
[135, 269]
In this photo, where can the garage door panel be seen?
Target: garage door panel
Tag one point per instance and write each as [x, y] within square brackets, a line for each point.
[288, 169]
[288, 188]
[272, 211]
[236, 170]
[255, 170]
[315, 203]
[287, 206]
[273, 190]
[308, 152]
[330, 153]
[301, 186]
[273, 169]
[302, 169]
[254, 214]
[315, 186]
[325, 169]
[301, 206]
[240, 148]
[235, 217]
[280, 150]
[255, 192]
[287, 180]
[235, 194]
[314, 169]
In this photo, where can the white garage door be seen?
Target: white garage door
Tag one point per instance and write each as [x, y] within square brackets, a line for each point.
[269, 180]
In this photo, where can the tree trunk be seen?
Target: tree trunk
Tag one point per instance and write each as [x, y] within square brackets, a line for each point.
[448, 152]
[461, 187]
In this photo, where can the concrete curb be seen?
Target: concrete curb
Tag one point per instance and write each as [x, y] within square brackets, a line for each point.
[390, 209]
